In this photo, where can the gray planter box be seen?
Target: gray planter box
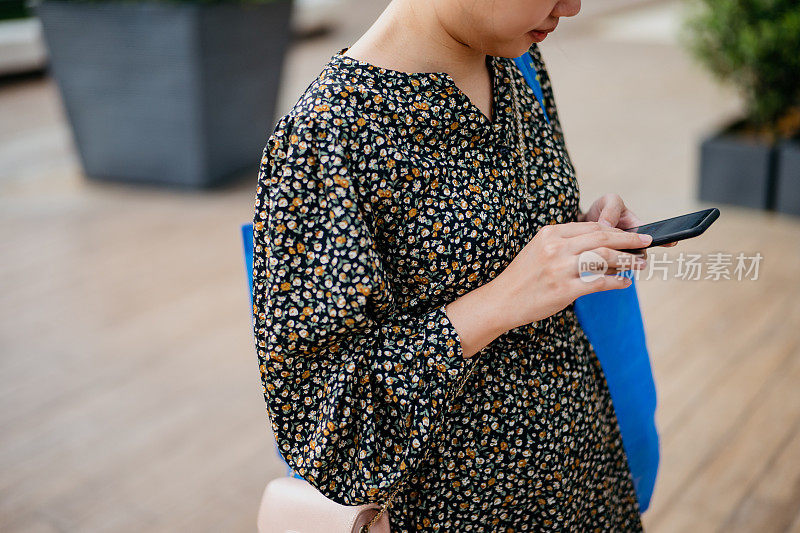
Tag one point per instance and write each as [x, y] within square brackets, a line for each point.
[736, 171]
[787, 189]
[167, 93]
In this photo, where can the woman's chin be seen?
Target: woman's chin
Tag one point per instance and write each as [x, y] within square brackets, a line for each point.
[511, 49]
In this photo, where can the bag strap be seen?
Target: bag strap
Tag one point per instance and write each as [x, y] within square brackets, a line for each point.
[528, 69]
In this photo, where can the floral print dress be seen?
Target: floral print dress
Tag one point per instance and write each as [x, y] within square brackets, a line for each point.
[382, 196]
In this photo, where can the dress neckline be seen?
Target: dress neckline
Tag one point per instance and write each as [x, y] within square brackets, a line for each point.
[431, 77]
[497, 126]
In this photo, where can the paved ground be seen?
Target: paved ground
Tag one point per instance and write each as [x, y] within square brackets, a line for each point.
[130, 398]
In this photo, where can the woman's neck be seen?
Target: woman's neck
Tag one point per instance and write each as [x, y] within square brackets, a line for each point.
[411, 36]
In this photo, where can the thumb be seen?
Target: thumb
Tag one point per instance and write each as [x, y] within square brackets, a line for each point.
[607, 218]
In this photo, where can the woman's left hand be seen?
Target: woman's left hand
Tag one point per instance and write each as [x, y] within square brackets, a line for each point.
[611, 211]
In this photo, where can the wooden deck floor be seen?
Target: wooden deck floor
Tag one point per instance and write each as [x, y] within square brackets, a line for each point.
[130, 398]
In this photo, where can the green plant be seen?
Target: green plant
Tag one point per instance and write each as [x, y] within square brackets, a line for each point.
[13, 9]
[755, 45]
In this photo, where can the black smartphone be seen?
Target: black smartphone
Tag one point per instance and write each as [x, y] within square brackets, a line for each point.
[676, 228]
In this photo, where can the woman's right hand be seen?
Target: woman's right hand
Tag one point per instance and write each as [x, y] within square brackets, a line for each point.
[544, 277]
[542, 280]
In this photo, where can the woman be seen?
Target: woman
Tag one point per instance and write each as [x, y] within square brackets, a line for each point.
[408, 227]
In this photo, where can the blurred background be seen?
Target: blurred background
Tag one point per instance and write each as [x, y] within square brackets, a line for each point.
[130, 135]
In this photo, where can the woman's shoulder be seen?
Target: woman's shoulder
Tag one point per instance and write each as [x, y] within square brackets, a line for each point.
[332, 103]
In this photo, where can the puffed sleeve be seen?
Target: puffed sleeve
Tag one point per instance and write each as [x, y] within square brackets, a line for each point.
[354, 384]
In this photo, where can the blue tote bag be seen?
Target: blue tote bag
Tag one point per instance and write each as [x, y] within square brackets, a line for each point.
[247, 244]
[612, 321]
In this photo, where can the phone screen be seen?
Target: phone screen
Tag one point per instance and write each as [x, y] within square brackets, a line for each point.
[670, 225]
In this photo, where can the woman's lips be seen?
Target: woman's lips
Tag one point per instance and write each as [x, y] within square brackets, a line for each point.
[538, 36]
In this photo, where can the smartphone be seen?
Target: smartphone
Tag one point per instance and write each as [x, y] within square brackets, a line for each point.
[676, 228]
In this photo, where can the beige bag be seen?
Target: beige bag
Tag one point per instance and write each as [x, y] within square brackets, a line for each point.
[292, 505]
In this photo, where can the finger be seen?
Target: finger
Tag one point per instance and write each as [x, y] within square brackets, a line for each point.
[637, 266]
[571, 229]
[617, 240]
[593, 266]
[617, 260]
[611, 212]
[628, 219]
[594, 211]
[601, 283]
[607, 261]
